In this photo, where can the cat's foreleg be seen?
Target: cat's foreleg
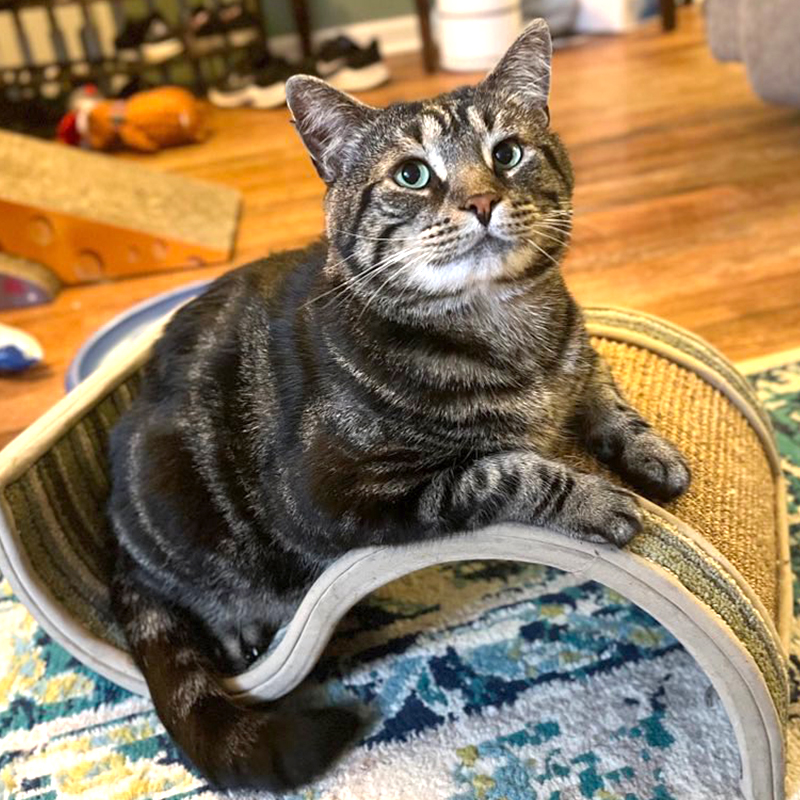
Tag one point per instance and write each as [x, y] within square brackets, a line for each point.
[522, 486]
[617, 435]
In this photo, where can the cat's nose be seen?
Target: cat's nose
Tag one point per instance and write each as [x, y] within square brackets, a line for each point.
[482, 206]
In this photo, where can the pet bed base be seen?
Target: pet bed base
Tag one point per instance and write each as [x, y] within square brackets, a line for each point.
[730, 610]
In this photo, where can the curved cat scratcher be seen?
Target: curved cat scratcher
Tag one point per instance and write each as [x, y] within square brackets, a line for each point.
[713, 569]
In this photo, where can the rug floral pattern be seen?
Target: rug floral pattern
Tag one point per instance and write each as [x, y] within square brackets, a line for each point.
[485, 680]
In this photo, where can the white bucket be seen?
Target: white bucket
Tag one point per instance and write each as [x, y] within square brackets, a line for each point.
[474, 34]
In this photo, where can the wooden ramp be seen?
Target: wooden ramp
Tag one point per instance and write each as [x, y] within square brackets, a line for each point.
[90, 217]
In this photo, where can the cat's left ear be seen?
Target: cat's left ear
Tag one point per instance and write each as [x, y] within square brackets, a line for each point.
[523, 73]
[327, 121]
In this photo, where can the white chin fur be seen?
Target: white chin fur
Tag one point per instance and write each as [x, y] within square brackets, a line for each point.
[469, 271]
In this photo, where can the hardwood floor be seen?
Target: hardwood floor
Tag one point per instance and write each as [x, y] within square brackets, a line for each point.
[687, 202]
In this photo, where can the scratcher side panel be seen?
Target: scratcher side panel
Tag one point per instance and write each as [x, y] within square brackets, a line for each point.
[58, 507]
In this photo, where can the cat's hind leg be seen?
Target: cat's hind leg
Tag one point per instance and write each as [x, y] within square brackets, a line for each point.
[618, 436]
[234, 747]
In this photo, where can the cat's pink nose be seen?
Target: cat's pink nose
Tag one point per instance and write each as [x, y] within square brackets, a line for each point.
[482, 206]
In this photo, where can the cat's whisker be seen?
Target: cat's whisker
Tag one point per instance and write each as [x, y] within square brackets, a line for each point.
[336, 288]
[358, 281]
[555, 224]
[372, 238]
[353, 279]
[393, 276]
[558, 216]
[560, 240]
[541, 250]
[559, 223]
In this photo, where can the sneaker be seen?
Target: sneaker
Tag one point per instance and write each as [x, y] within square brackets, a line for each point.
[263, 86]
[156, 40]
[205, 30]
[333, 54]
[225, 92]
[363, 69]
[130, 38]
[241, 26]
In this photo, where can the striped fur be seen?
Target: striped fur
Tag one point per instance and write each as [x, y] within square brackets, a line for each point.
[416, 373]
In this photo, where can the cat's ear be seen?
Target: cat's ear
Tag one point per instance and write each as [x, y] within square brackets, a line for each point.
[524, 71]
[326, 120]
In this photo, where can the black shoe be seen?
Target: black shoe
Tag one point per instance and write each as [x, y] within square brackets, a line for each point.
[240, 25]
[24, 111]
[130, 38]
[258, 85]
[332, 55]
[362, 69]
[205, 30]
[151, 36]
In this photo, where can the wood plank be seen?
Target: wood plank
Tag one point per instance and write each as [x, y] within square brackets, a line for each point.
[687, 202]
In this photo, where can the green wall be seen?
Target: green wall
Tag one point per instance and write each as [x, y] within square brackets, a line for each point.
[327, 13]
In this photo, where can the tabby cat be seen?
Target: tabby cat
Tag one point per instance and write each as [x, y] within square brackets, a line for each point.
[412, 375]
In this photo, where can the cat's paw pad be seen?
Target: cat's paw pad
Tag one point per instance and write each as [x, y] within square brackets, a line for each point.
[602, 512]
[655, 467]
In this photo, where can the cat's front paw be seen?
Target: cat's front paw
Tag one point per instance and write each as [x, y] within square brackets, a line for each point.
[654, 467]
[598, 511]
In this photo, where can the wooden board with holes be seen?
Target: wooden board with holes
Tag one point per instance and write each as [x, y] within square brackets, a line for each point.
[91, 217]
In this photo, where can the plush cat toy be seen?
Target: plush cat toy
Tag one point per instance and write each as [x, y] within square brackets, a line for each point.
[147, 121]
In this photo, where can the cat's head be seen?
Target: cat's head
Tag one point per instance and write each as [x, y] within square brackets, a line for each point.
[467, 190]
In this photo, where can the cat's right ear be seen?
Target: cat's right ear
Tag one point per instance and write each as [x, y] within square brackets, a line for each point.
[326, 120]
[523, 73]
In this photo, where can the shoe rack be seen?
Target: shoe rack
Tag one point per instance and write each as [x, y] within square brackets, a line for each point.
[55, 45]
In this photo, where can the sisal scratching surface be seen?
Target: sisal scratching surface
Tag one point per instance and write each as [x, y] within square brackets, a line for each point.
[731, 501]
[116, 192]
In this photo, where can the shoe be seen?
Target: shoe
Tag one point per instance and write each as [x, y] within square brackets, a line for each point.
[151, 36]
[333, 54]
[261, 86]
[130, 38]
[363, 69]
[230, 91]
[24, 111]
[241, 26]
[205, 30]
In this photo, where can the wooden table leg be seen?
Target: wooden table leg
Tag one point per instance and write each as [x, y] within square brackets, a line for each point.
[303, 23]
[668, 14]
[429, 58]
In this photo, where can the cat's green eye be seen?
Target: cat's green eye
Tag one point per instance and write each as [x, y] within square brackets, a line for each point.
[507, 154]
[413, 174]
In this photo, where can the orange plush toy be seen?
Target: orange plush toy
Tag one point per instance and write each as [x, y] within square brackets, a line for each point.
[147, 121]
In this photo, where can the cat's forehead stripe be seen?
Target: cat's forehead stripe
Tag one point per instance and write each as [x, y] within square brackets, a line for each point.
[438, 114]
[476, 120]
[430, 128]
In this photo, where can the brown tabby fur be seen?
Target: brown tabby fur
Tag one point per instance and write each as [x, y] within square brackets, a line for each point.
[413, 375]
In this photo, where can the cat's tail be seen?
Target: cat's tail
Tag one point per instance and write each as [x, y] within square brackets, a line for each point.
[231, 745]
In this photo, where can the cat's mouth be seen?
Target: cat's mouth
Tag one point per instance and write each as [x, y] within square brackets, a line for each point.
[486, 242]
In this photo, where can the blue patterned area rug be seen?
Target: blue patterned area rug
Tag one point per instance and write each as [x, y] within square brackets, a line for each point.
[489, 681]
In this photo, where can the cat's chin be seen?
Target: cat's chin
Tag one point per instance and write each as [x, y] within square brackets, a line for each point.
[488, 264]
